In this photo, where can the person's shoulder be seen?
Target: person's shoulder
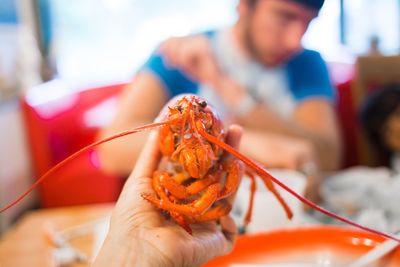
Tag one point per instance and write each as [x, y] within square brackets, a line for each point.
[309, 77]
[307, 61]
[306, 55]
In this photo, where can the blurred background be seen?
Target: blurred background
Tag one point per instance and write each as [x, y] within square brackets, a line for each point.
[53, 49]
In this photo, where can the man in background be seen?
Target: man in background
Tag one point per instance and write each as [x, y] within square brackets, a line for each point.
[255, 73]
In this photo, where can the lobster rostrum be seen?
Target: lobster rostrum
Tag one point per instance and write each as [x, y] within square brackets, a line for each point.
[197, 180]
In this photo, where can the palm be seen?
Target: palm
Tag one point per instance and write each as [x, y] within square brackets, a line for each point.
[172, 243]
[177, 248]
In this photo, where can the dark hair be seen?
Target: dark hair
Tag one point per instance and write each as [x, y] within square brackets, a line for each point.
[374, 113]
[314, 4]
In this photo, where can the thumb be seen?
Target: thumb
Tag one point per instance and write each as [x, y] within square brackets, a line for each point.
[149, 157]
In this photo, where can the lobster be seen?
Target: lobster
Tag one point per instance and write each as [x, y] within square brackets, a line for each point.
[199, 180]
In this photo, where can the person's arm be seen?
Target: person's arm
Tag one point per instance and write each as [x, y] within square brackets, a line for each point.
[314, 120]
[276, 150]
[139, 104]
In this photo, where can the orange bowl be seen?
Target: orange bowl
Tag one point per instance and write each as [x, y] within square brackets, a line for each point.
[305, 246]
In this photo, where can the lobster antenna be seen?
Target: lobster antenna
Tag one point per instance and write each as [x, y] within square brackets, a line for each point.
[78, 153]
[262, 172]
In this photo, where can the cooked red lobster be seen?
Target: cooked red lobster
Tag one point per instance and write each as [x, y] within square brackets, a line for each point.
[194, 188]
[198, 180]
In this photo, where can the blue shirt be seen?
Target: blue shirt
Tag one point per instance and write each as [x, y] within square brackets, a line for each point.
[302, 77]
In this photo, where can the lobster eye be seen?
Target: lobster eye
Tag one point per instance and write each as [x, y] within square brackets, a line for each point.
[203, 104]
[179, 108]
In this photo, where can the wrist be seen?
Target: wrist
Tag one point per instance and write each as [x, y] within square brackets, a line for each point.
[116, 253]
[129, 251]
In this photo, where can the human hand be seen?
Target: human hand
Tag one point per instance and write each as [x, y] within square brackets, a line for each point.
[140, 235]
[194, 55]
[312, 190]
[275, 150]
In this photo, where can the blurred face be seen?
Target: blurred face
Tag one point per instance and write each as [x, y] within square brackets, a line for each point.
[273, 29]
[392, 131]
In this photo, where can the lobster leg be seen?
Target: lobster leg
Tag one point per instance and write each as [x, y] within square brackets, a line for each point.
[200, 185]
[181, 192]
[194, 209]
[174, 187]
[271, 187]
[157, 185]
[266, 178]
[234, 170]
[180, 219]
[222, 208]
[181, 177]
[253, 188]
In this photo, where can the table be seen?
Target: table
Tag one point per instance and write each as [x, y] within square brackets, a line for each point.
[24, 243]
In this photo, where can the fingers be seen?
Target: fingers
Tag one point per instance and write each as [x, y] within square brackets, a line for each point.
[194, 55]
[233, 139]
[170, 49]
[234, 135]
[229, 229]
[214, 239]
[205, 67]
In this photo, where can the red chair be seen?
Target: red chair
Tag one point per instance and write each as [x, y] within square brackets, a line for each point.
[349, 125]
[342, 75]
[60, 122]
